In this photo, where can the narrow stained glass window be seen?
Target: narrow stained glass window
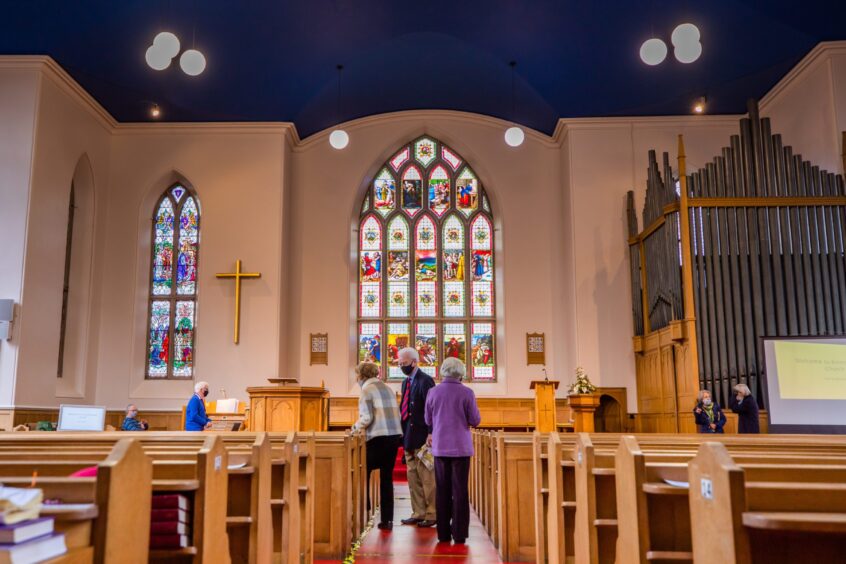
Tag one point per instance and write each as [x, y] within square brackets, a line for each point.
[439, 190]
[173, 285]
[384, 193]
[467, 192]
[370, 268]
[412, 191]
[428, 219]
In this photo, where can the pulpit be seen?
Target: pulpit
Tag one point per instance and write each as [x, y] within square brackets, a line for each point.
[583, 407]
[544, 405]
[288, 407]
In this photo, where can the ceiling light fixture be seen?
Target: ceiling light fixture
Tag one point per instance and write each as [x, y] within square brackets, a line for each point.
[699, 106]
[685, 39]
[157, 58]
[653, 51]
[155, 111]
[339, 138]
[192, 62]
[514, 135]
[168, 43]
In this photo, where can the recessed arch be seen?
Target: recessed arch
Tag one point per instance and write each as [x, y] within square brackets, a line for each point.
[426, 293]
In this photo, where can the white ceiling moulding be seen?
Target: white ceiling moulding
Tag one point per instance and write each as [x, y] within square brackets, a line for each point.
[818, 55]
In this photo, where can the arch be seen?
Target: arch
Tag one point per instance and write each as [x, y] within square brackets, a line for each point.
[427, 295]
[608, 417]
[172, 295]
[76, 303]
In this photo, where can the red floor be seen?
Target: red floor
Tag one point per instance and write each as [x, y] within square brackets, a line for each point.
[413, 544]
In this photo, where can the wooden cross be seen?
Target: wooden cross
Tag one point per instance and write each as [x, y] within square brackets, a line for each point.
[237, 275]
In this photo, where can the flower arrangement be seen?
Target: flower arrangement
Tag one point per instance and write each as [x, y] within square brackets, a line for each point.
[582, 384]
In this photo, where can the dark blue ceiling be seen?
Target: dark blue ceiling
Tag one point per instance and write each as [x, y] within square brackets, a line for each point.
[274, 60]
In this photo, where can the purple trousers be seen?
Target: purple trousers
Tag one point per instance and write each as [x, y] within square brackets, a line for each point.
[452, 501]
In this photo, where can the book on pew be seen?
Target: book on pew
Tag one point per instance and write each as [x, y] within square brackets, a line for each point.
[170, 501]
[170, 515]
[168, 528]
[34, 550]
[25, 530]
[169, 541]
[19, 504]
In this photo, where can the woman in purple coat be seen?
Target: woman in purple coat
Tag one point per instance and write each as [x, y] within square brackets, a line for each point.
[450, 411]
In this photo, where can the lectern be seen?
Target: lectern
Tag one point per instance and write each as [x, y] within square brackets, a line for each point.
[288, 407]
[544, 405]
[583, 407]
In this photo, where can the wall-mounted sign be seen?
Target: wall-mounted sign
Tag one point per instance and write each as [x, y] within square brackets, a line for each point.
[319, 348]
[535, 348]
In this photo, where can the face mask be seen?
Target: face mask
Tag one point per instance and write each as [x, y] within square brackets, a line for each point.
[205, 393]
[407, 370]
[706, 401]
[133, 414]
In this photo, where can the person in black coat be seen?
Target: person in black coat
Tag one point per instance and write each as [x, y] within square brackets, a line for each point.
[421, 479]
[746, 408]
[708, 414]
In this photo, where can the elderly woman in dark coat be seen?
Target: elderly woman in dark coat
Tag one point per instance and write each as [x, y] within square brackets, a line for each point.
[746, 408]
[708, 414]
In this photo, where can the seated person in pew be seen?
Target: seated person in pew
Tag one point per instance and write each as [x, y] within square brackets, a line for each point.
[131, 422]
[195, 414]
[379, 417]
[708, 414]
[746, 408]
[450, 412]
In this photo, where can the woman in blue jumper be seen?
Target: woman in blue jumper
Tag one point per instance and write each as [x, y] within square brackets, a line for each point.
[708, 414]
[195, 414]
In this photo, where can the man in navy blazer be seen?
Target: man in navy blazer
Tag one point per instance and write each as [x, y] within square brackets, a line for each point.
[421, 480]
[195, 414]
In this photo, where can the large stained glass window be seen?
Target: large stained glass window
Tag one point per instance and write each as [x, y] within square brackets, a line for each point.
[173, 285]
[426, 263]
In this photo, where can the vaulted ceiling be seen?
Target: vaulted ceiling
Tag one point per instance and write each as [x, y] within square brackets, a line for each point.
[274, 60]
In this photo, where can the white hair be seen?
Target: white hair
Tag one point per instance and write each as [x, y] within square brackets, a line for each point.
[702, 393]
[452, 369]
[198, 387]
[743, 389]
[410, 353]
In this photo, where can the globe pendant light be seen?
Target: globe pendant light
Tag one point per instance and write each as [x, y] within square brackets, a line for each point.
[514, 135]
[192, 62]
[339, 138]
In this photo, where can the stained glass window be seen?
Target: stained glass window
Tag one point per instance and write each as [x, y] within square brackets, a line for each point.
[428, 217]
[173, 285]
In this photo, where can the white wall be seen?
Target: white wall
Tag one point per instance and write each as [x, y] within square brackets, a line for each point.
[288, 209]
[18, 104]
[606, 159]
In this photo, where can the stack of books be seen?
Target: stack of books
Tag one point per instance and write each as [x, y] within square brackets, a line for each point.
[24, 536]
[170, 525]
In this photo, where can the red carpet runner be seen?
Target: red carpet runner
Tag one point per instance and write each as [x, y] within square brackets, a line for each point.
[413, 544]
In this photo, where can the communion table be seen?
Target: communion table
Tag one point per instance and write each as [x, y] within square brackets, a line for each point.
[288, 407]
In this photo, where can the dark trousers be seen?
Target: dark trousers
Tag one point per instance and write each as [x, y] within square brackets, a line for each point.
[382, 455]
[452, 501]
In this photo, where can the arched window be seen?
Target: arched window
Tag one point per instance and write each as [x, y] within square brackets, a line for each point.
[173, 285]
[426, 275]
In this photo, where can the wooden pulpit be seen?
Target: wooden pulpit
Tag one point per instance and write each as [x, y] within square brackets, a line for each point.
[288, 407]
[544, 405]
[583, 407]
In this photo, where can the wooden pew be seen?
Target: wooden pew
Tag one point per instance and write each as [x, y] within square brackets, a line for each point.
[101, 530]
[330, 453]
[655, 523]
[795, 515]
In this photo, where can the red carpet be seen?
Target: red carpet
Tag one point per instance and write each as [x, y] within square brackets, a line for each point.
[413, 544]
[399, 468]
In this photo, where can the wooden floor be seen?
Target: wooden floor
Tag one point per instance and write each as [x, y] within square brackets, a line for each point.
[413, 544]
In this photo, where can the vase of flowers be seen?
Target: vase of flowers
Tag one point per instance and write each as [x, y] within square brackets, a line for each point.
[582, 384]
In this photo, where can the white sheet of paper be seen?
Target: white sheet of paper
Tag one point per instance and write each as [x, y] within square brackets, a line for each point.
[677, 484]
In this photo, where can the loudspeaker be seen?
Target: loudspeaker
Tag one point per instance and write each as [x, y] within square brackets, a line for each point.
[7, 313]
[7, 310]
